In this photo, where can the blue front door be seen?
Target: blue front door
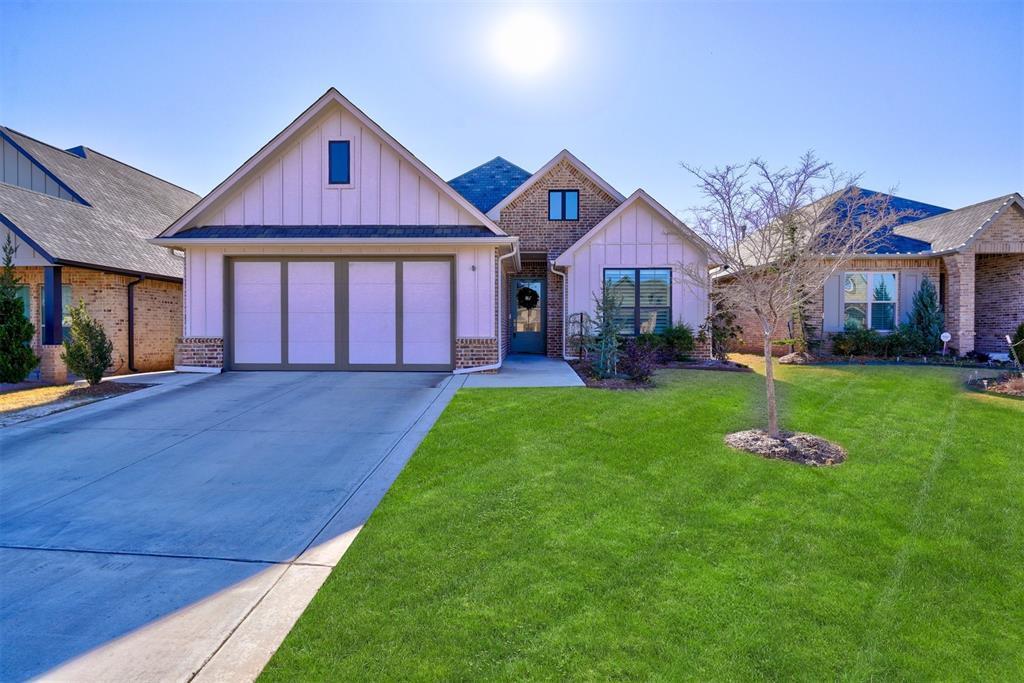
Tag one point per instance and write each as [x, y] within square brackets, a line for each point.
[528, 313]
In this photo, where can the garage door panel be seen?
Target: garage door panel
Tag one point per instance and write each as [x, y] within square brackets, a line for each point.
[311, 312]
[257, 312]
[372, 328]
[426, 313]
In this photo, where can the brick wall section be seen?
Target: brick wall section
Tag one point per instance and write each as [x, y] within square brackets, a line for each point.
[527, 218]
[158, 313]
[199, 352]
[52, 369]
[999, 299]
[472, 352]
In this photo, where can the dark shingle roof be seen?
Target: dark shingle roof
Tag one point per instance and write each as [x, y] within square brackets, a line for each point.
[890, 240]
[954, 229]
[126, 207]
[327, 231]
[489, 183]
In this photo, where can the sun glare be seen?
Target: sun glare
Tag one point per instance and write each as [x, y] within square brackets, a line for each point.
[526, 43]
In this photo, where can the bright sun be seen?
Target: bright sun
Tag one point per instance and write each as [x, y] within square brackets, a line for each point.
[526, 43]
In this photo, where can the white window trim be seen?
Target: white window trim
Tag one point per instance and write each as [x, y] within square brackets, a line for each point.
[353, 155]
[895, 301]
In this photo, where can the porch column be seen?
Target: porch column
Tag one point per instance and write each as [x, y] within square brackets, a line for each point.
[960, 300]
[52, 306]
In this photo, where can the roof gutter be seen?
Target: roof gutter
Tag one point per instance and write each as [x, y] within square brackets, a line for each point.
[171, 242]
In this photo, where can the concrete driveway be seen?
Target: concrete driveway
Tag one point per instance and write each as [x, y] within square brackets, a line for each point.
[136, 536]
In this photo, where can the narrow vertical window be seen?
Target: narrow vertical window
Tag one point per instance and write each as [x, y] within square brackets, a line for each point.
[339, 162]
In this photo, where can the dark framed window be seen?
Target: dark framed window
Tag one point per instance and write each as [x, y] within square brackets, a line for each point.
[339, 162]
[643, 298]
[563, 205]
[22, 293]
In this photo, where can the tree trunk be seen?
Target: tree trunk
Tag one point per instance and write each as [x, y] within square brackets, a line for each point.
[769, 385]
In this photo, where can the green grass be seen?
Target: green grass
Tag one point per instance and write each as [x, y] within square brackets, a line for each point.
[585, 534]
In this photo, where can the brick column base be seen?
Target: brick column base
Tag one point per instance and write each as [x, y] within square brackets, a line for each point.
[472, 352]
[702, 349]
[196, 353]
[52, 369]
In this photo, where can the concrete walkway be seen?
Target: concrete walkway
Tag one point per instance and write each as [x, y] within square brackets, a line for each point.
[180, 535]
[528, 371]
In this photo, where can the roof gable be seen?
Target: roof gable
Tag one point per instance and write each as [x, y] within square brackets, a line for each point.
[956, 230]
[121, 208]
[285, 181]
[489, 183]
[638, 197]
[568, 157]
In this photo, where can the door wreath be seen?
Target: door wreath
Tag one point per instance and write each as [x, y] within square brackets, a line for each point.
[527, 298]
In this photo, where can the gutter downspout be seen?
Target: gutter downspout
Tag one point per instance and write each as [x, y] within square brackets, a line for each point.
[565, 294]
[131, 323]
[499, 335]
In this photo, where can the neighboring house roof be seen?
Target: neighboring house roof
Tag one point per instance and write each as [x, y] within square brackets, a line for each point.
[955, 230]
[332, 96]
[564, 155]
[121, 208]
[331, 231]
[637, 197]
[889, 240]
[489, 183]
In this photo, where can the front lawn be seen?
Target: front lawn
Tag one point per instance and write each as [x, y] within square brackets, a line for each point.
[580, 533]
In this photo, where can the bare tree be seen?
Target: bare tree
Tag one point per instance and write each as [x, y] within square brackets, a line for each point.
[778, 235]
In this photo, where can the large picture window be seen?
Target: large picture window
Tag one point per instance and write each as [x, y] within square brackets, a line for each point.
[869, 301]
[643, 298]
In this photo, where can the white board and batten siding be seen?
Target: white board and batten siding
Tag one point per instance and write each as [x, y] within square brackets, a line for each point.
[474, 289]
[291, 188]
[639, 238]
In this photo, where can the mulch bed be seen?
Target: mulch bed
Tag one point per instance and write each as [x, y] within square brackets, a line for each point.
[626, 384]
[798, 447]
[104, 390]
[1008, 385]
[714, 365]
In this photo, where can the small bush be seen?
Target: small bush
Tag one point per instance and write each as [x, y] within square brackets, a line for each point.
[855, 342]
[637, 360]
[16, 357]
[602, 340]
[1017, 340]
[656, 344]
[926, 318]
[88, 352]
[678, 341]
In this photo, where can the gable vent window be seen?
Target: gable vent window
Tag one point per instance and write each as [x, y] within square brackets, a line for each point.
[563, 205]
[339, 162]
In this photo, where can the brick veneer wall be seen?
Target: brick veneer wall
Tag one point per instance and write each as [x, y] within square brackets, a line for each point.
[472, 352]
[527, 218]
[158, 314]
[199, 352]
[999, 299]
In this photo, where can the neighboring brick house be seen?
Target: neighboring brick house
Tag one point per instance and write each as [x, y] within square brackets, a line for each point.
[335, 248]
[973, 255]
[80, 221]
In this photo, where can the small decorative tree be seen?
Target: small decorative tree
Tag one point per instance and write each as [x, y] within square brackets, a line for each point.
[88, 352]
[16, 357]
[603, 343]
[926, 317]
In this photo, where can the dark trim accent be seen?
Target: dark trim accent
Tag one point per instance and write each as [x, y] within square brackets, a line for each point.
[25, 238]
[77, 197]
[341, 288]
[563, 218]
[131, 323]
[636, 294]
[53, 329]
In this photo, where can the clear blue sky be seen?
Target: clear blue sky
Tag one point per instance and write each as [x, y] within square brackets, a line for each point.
[923, 96]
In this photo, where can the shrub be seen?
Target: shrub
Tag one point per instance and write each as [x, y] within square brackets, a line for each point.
[602, 343]
[926, 318]
[638, 360]
[720, 329]
[87, 352]
[1017, 344]
[857, 342]
[16, 357]
[678, 341]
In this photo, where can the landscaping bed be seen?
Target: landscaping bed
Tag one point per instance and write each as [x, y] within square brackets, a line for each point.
[1009, 384]
[25, 403]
